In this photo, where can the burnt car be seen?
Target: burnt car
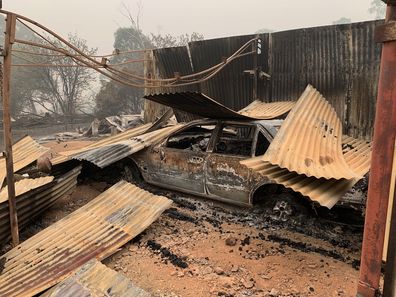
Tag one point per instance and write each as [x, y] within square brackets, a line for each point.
[203, 158]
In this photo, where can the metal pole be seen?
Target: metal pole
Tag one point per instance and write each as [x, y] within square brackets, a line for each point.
[9, 40]
[381, 163]
[390, 271]
[255, 67]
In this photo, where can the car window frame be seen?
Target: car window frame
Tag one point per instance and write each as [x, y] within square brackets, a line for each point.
[219, 128]
[266, 134]
[164, 143]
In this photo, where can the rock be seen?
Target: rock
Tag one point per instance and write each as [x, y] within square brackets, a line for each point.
[219, 270]
[234, 268]
[207, 270]
[274, 293]
[180, 274]
[231, 241]
[247, 284]
[226, 282]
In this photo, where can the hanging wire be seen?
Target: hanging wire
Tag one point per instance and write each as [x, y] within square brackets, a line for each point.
[83, 60]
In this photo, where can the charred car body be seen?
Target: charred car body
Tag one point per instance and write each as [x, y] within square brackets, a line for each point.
[203, 158]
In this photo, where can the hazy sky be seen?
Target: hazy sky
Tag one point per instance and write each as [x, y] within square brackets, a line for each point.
[97, 20]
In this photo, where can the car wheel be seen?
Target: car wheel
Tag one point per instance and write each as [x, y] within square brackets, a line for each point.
[131, 173]
[282, 207]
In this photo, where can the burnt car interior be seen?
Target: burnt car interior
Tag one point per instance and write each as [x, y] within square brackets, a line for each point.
[262, 144]
[195, 138]
[235, 140]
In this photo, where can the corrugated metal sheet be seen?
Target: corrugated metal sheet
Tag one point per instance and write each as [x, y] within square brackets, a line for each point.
[109, 154]
[202, 105]
[34, 202]
[25, 185]
[96, 280]
[342, 61]
[126, 135]
[169, 61]
[25, 152]
[197, 103]
[327, 192]
[261, 110]
[357, 154]
[96, 230]
[310, 140]
[231, 86]
[365, 57]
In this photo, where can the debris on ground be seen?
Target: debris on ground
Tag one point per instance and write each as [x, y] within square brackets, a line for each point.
[96, 230]
[95, 279]
[118, 124]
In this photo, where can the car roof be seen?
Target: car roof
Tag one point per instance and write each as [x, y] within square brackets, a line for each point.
[272, 126]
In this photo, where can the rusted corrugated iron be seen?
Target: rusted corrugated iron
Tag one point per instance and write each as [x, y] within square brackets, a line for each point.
[126, 135]
[32, 203]
[25, 152]
[96, 230]
[310, 140]
[25, 185]
[327, 192]
[261, 110]
[109, 154]
[96, 280]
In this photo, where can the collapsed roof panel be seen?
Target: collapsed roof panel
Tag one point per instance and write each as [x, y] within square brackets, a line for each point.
[202, 105]
[95, 279]
[96, 230]
[25, 185]
[327, 192]
[126, 135]
[34, 196]
[309, 141]
[111, 153]
[265, 111]
[25, 152]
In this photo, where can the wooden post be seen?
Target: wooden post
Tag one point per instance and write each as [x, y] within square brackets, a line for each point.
[8, 41]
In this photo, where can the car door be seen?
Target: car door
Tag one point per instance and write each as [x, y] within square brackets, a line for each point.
[226, 178]
[183, 158]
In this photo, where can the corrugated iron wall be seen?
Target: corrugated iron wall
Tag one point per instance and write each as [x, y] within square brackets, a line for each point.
[341, 61]
[168, 61]
[230, 86]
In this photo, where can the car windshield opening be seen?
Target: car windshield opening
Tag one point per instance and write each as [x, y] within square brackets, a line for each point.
[262, 144]
[235, 140]
[194, 138]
